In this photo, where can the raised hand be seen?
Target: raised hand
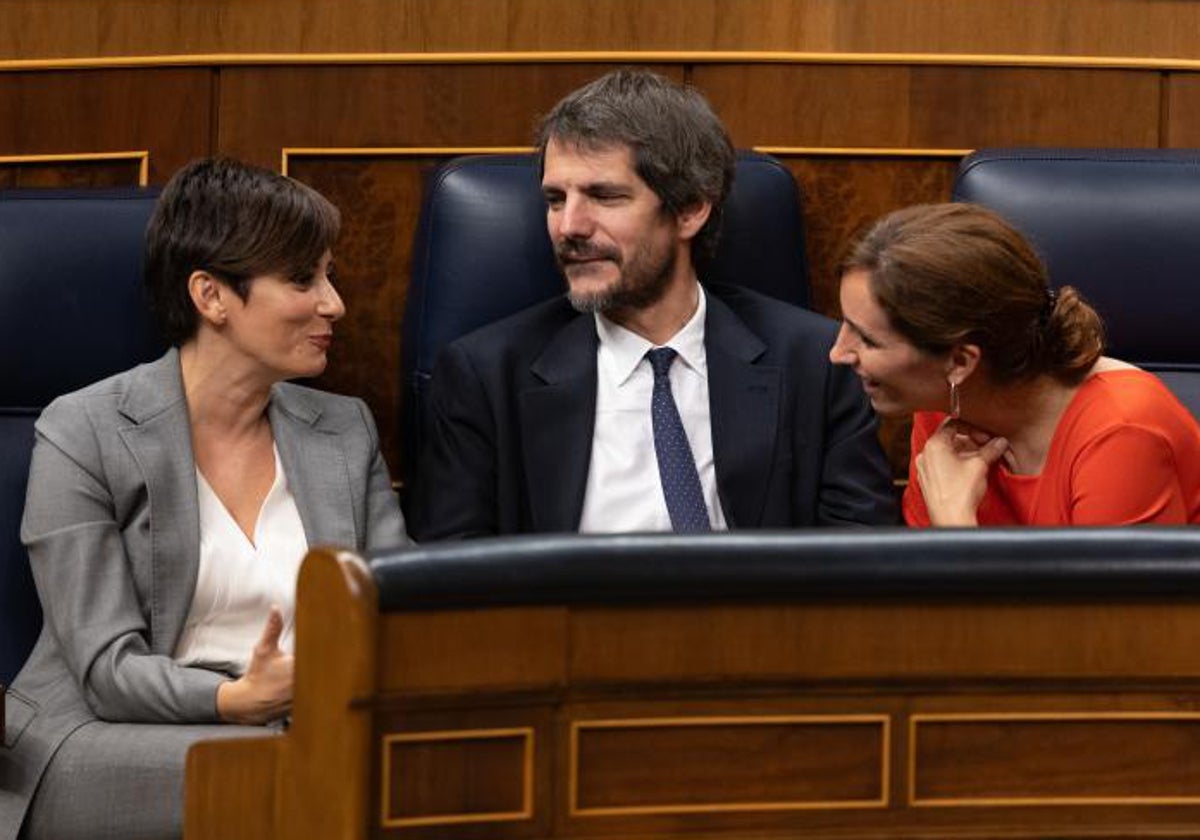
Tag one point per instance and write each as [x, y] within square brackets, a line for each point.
[952, 470]
[264, 692]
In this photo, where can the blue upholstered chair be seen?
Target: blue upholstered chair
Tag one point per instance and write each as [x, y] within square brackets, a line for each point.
[1123, 227]
[482, 253]
[71, 312]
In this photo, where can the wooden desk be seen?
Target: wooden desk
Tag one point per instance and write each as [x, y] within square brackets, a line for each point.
[1060, 716]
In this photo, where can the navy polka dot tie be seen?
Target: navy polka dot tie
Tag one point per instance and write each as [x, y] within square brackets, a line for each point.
[676, 466]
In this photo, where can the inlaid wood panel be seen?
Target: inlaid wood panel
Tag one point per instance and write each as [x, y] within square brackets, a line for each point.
[980, 760]
[478, 769]
[31, 29]
[457, 776]
[61, 174]
[727, 764]
[166, 112]
[914, 107]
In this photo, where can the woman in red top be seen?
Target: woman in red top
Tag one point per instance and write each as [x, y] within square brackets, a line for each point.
[1020, 418]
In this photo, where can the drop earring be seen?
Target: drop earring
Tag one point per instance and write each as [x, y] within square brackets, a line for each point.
[955, 405]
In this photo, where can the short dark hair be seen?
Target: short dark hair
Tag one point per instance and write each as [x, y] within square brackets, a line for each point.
[959, 273]
[680, 147]
[237, 222]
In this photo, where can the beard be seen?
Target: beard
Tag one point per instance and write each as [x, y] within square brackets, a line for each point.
[640, 282]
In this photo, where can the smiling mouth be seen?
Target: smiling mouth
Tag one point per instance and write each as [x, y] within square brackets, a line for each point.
[322, 341]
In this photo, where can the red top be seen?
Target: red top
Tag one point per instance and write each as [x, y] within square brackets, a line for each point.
[1125, 451]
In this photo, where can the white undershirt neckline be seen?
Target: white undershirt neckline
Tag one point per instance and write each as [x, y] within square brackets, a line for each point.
[238, 580]
[624, 491]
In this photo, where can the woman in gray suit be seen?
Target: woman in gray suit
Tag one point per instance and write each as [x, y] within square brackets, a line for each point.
[169, 507]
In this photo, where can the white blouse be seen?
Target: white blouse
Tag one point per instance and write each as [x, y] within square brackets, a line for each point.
[239, 580]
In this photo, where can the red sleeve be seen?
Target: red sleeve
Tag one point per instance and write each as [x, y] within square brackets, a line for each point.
[916, 515]
[1127, 476]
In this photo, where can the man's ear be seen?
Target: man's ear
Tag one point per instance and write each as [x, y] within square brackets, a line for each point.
[208, 296]
[962, 361]
[692, 218]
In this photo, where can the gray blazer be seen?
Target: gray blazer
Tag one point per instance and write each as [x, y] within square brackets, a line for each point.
[112, 527]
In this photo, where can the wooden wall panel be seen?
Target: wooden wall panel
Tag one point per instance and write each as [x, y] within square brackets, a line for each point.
[932, 107]
[843, 195]
[36, 29]
[61, 174]
[167, 112]
[265, 109]
[1183, 110]
[380, 199]
[1118, 759]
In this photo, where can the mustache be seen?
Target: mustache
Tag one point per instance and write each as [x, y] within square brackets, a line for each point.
[572, 250]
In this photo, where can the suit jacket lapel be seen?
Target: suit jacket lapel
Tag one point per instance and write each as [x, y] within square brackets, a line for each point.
[744, 406]
[160, 440]
[557, 421]
[316, 470]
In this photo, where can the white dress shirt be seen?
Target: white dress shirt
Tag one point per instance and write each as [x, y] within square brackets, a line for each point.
[624, 492]
[239, 580]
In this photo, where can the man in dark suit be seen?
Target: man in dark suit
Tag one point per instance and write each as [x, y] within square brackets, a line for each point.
[642, 400]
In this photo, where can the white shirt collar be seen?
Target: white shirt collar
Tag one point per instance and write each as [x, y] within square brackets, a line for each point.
[626, 349]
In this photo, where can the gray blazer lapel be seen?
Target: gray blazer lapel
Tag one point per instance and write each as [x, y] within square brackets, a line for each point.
[316, 469]
[557, 419]
[744, 405]
[160, 440]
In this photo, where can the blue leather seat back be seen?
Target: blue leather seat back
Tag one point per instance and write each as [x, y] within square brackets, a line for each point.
[1122, 226]
[482, 252]
[20, 611]
[71, 312]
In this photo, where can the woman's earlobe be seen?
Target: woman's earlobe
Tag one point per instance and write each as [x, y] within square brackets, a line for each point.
[205, 292]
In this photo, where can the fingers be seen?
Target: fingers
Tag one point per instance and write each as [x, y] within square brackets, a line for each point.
[993, 450]
[272, 630]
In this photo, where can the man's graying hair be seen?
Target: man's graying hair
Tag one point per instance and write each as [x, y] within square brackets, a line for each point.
[680, 148]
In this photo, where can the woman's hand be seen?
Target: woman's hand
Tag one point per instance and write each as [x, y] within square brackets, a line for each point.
[952, 471]
[264, 692]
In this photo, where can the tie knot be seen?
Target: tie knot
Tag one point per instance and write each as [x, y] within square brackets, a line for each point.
[661, 359]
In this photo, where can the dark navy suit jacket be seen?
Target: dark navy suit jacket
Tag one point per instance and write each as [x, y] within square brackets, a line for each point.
[513, 407]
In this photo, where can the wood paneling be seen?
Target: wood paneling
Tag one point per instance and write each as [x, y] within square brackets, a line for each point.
[469, 105]
[32, 29]
[248, 767]
[519, 649]
[61, 174]
[932, 107]
[1102, 758]
[1088, 707]
[458, 776]
[697, 765]
[927, 641]
[1183, 110]
[166, 112]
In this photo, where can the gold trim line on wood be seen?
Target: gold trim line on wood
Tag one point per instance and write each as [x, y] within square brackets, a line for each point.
[573, 809]
[605, 57]
[860, 151]
[1018, 801]
[397, 151]
[526, 733]
[143, 158]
